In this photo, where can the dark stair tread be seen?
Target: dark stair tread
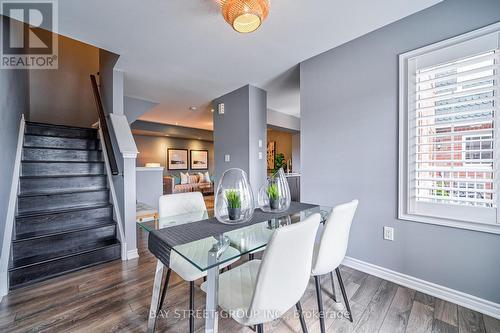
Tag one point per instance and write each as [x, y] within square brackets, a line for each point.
[62, 176]
[60, 192]
[60, 126]
[56, 161]
[45, 271]
[62, 210]
[99, 223]
[96, 223]
[40, 259]
[62, 148]
[59, 137]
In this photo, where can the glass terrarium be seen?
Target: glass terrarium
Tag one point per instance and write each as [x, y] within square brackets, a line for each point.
[274, 195]
[234, 201]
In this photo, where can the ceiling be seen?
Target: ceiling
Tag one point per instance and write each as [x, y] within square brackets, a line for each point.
[181, 53]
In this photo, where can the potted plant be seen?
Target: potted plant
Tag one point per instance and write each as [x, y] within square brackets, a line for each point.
[233, 204]
[273, 194]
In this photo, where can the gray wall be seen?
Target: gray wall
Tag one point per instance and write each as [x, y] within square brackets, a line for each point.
[133, 108]
[283, 120]
[257, 121]
[349, 124]
[107, 62]
[231, 131]
[296, 152]
[14, 89]
[237, 132]
[64, 96]
[157, 129]
[153, 149]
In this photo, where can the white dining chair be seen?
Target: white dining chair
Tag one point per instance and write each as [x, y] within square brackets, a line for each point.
[186, 203]
[330, 252]
[260, 291]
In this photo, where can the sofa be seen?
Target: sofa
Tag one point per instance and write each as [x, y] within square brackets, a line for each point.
[172, 184]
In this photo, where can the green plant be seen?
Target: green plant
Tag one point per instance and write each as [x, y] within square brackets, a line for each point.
[272, 192]
[279, 160]
[233, 199]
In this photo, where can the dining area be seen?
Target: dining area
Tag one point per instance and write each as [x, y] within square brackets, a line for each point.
[253, 267]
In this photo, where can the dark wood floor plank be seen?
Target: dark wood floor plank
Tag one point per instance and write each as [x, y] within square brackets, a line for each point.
[425, 299]
[397, 316]
[367, 290]
[470, 321]
[421, 318]
[439, 326]
[115, 297]
[374, 315]
[492, 325]
[336, 319]
[446, 311]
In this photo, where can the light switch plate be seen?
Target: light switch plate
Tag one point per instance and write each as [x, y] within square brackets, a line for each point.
[260, 143]
[389, 233]
[227, 158]
[220, 108]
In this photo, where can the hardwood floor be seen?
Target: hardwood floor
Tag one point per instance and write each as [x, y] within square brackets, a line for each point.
[115, 297]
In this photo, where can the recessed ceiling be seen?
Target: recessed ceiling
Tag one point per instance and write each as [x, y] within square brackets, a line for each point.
[181, 53]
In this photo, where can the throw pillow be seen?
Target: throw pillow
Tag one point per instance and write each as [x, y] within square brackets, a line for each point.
[201, 178]
[184, 178]
[207, 177]
[177, 180]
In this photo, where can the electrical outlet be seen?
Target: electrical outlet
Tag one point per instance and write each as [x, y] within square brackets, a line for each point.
[389, 233]
[260, 155]
[227, 158]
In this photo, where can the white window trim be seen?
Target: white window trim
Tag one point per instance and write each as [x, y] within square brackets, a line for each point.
[403, 200]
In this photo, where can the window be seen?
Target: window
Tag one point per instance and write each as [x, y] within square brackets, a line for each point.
[449, 132]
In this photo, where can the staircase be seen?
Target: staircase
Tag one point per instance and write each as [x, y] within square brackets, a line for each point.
[64, 217]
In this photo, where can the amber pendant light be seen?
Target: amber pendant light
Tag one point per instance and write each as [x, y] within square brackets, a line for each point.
[245, 15]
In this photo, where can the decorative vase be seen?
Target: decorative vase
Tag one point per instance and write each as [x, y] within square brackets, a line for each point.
[274, 195]
[234, 201]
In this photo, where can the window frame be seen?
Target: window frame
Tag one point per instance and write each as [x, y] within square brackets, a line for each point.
[404, 203]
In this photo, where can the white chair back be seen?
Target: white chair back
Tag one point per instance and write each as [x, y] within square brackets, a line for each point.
[333, 244]
[181, 203]
[285, 269]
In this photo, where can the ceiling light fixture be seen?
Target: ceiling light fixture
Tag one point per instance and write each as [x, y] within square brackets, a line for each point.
[245, 15]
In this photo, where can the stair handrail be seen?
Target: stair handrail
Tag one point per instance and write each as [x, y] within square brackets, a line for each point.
[104, 126]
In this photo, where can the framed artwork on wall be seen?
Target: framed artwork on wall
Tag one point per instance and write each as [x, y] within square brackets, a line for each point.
[177, 159]
[271, 154]
[199, 159]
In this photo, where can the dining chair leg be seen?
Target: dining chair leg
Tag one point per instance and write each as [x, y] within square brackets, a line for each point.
[301, 317]
[155, 297]
[317, 279]
[334, 297]
[191, 307]
[165, 287]
[260, 328]
[344, 294]
[251, 256]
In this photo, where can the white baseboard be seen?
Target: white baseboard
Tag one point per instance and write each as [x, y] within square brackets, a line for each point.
[454, 296]
[132, 254]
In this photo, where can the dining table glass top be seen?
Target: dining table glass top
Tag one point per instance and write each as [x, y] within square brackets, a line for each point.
[230, 245]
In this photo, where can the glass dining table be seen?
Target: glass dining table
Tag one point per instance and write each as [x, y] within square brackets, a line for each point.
[208, 253]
